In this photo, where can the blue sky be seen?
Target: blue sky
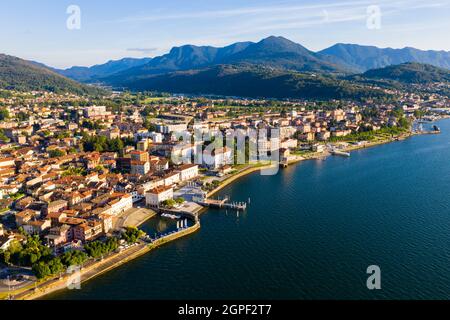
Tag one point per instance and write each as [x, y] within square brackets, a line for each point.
[37, 30]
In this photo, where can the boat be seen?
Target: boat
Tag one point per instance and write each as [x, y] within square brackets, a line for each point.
[340, 153]
[170, 216]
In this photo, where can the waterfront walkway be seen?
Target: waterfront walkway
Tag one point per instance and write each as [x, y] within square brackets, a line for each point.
[94, 268]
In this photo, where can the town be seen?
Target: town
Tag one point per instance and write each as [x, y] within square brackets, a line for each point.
[79, 175]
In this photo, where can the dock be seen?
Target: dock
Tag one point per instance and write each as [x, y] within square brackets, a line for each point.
[223, 204]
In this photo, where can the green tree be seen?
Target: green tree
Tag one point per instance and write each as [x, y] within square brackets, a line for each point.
[180, 200]
[4, 114]
[132, 235]
[74, 258]
[41, 270]
[55, 153]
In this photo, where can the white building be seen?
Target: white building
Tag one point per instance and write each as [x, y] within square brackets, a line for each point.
[154, 197]
[95, 112]
[217, 158]
[156, 137]
[289, 144]
[171, 178]
[121, 204]
[188, 172]
[169, 128]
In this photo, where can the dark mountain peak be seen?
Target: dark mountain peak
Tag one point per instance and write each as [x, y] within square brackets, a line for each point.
[280, 44]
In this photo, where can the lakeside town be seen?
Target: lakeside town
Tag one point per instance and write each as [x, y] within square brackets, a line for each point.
[79, 175]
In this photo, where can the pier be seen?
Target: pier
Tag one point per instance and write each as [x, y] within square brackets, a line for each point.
[223, 204]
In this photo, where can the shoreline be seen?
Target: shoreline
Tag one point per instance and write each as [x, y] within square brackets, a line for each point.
[94, 271]
[313, 156]
[101, 267]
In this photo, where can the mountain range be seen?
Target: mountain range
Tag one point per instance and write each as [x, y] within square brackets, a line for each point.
[22, 75]
[272, 67]
[254, 81]
[274, 52]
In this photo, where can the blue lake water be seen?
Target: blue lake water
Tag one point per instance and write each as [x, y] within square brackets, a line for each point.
[310, 232]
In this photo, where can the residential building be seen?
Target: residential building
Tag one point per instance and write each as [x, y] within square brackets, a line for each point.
[154, 197]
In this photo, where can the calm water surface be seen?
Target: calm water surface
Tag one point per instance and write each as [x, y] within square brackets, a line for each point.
[310, 233]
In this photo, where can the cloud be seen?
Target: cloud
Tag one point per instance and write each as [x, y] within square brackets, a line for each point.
[143, 50]
[282, 10]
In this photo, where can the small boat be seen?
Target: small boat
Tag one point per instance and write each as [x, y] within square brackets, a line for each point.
[340, 153]
[170, 216]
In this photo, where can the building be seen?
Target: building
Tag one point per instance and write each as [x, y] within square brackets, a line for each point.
[121, 202]
[58, 236]
[323, 135]
[169, 128]
[37, 226]
[143, 145]
[318, 148]
[6, 241]
[88, 231]
[56, 206]
[107, 222]
[188, 172]
[154, 197]
[171, 178]
[138, 155]
[95, 112]
[7, 163]
[289, 144]
[25, 216]
[218, 158]
[140, 167]
[156, 137]
[56, 218]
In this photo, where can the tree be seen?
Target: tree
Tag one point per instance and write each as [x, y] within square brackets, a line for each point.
[4, 114]
[404, 123]
[180, 200]
[5, 256]
[97, 249]
[73, 258]
[22, 116]
[132, 235]
[41, 270]
[168, 203]
[56, 153]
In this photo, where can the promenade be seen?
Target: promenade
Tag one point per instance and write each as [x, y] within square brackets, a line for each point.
[95, 268]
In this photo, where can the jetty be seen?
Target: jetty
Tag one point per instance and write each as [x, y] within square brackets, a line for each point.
[223, 204]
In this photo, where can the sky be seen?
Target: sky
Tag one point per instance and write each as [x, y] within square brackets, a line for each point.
[110, 30]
